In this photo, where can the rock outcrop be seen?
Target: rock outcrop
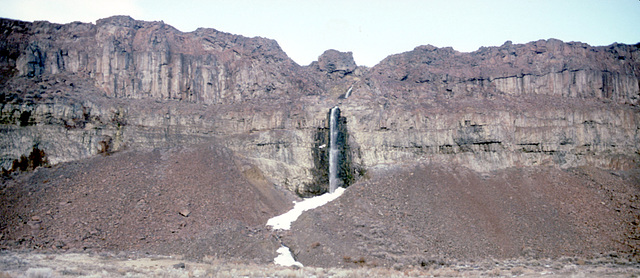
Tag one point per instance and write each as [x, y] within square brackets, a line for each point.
[136, 59]
[543, 103]
[78, 90]
[551, 67]
[336, 62]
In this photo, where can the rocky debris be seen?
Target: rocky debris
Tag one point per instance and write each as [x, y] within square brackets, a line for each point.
[429, 214]
[184, 212]
[127, 111]
[128, 201]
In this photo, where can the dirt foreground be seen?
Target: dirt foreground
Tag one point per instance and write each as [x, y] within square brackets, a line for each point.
[434, 213]
[168, 213]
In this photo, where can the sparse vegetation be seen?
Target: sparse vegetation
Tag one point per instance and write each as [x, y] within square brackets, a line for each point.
[35, 265]
[39, 273]
[36, 158]
[361, 261]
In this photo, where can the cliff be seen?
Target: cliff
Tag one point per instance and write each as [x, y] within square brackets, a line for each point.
[77, 90]
[136, 59]
[551, 67]
[542, 103]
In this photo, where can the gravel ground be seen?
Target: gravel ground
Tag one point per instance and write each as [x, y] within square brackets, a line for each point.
[32, 264]
[426, 213]
[192, 201]
[146, 213]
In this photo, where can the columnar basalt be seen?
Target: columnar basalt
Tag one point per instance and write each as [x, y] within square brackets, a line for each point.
[136, 59]
[499, 136]
[72, 90]
[551, 68]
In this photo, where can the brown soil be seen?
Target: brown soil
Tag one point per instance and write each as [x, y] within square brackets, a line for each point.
[192, 200]
[431, 214]
[205, 202]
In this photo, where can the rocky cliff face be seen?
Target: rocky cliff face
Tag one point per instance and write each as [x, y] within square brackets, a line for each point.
[543, 103]
[136, 59]
[552, 68]
[77, 90]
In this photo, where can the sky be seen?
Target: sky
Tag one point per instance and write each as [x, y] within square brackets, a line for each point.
[371, 29]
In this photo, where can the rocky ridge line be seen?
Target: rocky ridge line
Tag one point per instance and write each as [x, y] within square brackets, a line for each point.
[77, 90]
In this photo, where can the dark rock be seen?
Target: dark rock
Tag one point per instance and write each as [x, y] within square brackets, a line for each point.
[205, 66]
[143, 84]
[333, 61]
[179, 266]
[548, 67]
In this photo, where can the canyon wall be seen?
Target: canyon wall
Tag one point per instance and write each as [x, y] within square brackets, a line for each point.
[78, 90]
[542, 103]
[137, 59]
[551, 67]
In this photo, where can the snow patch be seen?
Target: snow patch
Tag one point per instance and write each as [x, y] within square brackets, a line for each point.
[285, 258]
[283, 221]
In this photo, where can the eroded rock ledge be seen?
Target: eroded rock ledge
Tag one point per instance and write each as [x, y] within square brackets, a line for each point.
[77, 90]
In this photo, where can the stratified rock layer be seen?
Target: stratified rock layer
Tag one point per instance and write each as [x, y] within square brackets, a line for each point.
[552, 67]
[78, 89]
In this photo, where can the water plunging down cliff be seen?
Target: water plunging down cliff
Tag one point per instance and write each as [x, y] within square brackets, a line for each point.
[333, 157]
[348, 93]
[334, 182]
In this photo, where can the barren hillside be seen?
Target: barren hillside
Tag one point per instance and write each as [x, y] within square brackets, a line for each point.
[128, 135]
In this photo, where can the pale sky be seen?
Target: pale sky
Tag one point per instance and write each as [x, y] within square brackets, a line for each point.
[371, 29]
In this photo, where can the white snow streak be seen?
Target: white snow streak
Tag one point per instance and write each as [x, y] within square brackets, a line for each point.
[283, 221]
[285, 258]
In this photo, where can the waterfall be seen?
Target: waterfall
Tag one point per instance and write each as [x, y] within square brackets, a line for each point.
[333, 149]
[348, 92]
[283, 221]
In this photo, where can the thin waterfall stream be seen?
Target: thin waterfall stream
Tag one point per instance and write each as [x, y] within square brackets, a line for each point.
[333, 149]
[284, 221]
[348, 92]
